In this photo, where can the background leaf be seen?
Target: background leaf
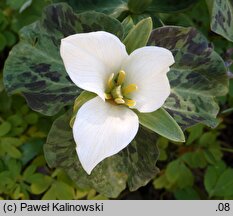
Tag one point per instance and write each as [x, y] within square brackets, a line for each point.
[170, 5]
[113, 7]
[138, 6]
[198, 75]
[34, 66]
[219, 180]
[135, 165]
[178, 173]
[221, 17]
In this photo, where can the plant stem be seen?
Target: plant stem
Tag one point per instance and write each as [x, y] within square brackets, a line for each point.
[226, 149]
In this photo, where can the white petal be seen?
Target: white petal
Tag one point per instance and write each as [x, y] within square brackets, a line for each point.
[147, 67]
[90, 58]
[101, 130]
[152, 93]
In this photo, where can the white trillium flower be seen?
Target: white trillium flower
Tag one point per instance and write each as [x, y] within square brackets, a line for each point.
[98, 62]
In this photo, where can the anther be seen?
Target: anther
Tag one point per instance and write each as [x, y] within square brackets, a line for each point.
[119, 101]
[110, 81]
[130, 103]
[121, 77]
[130, 88]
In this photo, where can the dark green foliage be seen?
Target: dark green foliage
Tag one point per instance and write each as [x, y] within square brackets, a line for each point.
[135, 165]
[221, 17]
[197, 76]
[170, 5]
[218, 181]
[23, 170]
[34, 66]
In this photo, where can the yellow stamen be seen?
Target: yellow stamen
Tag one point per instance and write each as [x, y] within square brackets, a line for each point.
[110, 81]
[130, 88]
[116, 91]
[119, 101]
[108, 96]
[130, 103]
[121, 77]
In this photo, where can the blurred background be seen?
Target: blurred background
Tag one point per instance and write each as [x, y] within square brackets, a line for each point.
[201, 168]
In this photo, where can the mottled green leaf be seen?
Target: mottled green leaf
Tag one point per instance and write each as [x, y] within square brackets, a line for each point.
[140, 159]
[118, 7]
[135, 165]
[198, 75]
[138, 6]
[34, 66]
[166, 6]
[114, 8]
[162, 123]
[138, 35]
[221, 17]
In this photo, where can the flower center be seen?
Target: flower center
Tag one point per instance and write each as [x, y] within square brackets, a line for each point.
[117, 92]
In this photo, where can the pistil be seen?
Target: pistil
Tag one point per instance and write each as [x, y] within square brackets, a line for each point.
[117, 93]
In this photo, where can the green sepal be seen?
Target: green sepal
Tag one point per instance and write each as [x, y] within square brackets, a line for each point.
[127, 24]
[79, 101]
[139, 35]
[161, 122]
[138, 6]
